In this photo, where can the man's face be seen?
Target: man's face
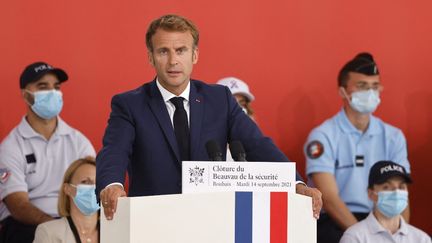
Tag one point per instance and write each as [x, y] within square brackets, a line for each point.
[392, 184]
[362, 82]
[173, 57]
[48, 82]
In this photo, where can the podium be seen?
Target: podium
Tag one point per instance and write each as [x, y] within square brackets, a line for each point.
[218, 217]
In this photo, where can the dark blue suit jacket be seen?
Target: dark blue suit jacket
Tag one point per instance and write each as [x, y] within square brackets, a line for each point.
[140, 137]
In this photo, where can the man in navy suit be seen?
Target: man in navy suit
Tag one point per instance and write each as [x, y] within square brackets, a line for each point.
[144, 136]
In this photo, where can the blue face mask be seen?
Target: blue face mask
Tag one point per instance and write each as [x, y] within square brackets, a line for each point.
[47, 103]
[365, 101]
[85, 199]
[392, 203]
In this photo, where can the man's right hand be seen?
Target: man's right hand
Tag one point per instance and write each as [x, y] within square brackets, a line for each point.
[108, 198]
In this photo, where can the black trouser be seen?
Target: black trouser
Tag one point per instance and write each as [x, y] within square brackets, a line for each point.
[329, 232]
[13, 231]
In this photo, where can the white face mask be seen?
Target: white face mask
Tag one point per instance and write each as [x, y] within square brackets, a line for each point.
[365, 101]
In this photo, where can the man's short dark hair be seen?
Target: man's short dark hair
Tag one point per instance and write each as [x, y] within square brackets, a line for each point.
[172, 22]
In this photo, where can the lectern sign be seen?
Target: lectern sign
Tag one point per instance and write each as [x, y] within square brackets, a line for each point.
[205, 176]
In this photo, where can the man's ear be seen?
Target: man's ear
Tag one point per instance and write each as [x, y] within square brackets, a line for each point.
[28, 98]
[195, 55]
[372, 195]
[342, 92]
[150, 58]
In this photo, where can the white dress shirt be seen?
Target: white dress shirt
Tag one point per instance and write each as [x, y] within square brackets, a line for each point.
[166, 96]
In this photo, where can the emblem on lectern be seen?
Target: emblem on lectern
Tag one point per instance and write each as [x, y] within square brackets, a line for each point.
[196, 175]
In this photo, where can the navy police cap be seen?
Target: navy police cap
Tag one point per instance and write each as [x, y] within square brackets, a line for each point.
[381, 171]
[37, 70]
[362, 63]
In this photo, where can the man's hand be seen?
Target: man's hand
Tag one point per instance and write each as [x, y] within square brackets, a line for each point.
[316, 196]
[108, 198]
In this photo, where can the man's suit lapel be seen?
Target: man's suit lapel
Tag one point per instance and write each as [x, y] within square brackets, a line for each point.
[196, 114]
[158, 107]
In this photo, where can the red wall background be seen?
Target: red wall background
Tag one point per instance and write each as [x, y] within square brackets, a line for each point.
[288, 51]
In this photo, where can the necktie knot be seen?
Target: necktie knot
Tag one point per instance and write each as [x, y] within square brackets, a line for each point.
[178, 102]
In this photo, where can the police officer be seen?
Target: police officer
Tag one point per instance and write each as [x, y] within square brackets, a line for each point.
[388, 189]
[340, 152]
[35, 155]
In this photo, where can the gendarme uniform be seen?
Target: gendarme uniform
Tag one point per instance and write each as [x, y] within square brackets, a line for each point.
[338, 148]
[369, 230]
[30, 163]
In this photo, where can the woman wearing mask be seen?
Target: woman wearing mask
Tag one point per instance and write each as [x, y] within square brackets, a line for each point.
[77, 206]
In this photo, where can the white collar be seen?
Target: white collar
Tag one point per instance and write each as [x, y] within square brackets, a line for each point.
[375, 227]
[27, 131]
[166, 95]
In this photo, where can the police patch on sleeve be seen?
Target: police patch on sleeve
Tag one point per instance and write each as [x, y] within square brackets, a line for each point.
[4, 175]
[314, 149]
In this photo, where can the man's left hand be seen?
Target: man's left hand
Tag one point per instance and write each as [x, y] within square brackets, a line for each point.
[316, 196]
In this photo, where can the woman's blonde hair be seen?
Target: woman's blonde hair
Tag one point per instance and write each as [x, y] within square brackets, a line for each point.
[63, 201]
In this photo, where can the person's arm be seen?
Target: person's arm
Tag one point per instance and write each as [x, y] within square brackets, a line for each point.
[261, 148]
[333, 205]
[112, 160]
[316, 196]
[23, 210]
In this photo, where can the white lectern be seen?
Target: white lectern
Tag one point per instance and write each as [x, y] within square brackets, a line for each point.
[218, 217]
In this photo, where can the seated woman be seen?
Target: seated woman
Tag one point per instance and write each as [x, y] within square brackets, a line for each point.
[77, 205]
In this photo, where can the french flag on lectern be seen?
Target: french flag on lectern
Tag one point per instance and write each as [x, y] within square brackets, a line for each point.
[216, 217]
[261, 217]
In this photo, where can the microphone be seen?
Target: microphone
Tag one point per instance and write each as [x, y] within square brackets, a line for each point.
[213, 150]
[237, 151]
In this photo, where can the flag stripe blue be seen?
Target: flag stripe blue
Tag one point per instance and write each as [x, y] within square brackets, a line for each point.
[243, 217]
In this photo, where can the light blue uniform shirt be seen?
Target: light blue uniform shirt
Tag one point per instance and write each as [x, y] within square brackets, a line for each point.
[338, 148]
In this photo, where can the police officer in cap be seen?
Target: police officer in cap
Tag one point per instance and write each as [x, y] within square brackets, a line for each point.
[388, 189]
[35, 155]
[340, 152]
